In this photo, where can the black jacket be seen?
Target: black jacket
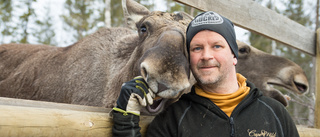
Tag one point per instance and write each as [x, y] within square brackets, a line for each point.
[196, 116]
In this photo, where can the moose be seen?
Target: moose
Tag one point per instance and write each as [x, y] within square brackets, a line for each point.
[92, 70]
[265, 70]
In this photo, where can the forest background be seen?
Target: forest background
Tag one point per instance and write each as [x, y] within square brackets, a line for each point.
[63, 22]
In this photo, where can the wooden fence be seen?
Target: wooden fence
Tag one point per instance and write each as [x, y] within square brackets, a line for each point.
[19, 118]
[36, 118]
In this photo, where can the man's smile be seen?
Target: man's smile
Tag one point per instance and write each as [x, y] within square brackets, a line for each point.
[207, 67]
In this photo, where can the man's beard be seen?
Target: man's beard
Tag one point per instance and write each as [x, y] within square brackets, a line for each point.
[201, 76]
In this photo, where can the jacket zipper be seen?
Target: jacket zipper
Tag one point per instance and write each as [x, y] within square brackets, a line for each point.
[244, 103]
[231, 121]
[232, 127]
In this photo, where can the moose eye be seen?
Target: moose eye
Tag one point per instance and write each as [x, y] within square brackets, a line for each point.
[143, 29]
[242, 50]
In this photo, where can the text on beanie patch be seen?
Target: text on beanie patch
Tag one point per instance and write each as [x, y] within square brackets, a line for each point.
[207, 18]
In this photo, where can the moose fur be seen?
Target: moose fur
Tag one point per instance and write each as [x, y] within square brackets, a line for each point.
[265, 70]
[91, 71]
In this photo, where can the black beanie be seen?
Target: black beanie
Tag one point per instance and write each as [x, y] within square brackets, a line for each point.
[213, 21]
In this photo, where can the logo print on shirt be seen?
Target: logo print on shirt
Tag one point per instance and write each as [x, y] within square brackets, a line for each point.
[262, 133]
[207, 18]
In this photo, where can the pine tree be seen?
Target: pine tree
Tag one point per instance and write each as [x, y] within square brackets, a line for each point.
[11, 29]
[44, 31]
[5, 18]
[116, 13]
[26, 18]
[84, 17]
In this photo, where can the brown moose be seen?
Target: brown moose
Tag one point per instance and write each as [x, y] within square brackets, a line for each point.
[91, 71]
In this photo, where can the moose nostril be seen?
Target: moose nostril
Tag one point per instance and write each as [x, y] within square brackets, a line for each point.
[301, 87]
[144, 72]
[161, 87]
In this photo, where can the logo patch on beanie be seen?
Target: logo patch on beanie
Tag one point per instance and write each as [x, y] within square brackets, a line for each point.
[207, 18]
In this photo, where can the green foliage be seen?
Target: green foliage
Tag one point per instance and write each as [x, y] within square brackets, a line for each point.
[25, 21]
[5, 14]
[45, 32]
[83, 16]
[116, 13]
[20, 23]
[296, 12]
[80, 18]
[260, 42]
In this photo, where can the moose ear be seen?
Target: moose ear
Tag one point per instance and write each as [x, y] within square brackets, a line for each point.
[133, 12]
[185, 15]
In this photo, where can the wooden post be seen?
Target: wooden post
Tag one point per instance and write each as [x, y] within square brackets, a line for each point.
[317, 101]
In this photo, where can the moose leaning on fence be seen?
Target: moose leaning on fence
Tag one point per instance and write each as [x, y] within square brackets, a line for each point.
[91, 71]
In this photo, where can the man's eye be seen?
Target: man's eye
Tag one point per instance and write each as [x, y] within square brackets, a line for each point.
[196, 49]
[217, 46]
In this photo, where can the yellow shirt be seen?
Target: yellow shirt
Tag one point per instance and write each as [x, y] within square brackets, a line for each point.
[227, 102]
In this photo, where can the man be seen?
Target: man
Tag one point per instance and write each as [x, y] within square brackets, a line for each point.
[222, 103]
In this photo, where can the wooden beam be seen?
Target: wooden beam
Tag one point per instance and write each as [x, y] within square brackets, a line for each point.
[317, 101]
[308, 132]
[254, 17]
[36, 118]
[20, 118]
[30, 121]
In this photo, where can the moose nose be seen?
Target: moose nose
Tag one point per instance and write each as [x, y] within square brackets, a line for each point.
[301, 83]
[145, 73]
[162, 87]
[164, 66]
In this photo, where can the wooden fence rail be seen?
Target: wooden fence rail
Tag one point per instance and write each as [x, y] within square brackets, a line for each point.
[20, 118]
[36, 118]
[251, 15]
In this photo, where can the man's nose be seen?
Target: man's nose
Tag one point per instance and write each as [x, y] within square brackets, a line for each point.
[207, 54]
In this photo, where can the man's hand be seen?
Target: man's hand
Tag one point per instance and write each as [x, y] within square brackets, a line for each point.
[134, 94]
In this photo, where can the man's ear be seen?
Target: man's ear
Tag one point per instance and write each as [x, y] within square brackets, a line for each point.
[235, 60]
